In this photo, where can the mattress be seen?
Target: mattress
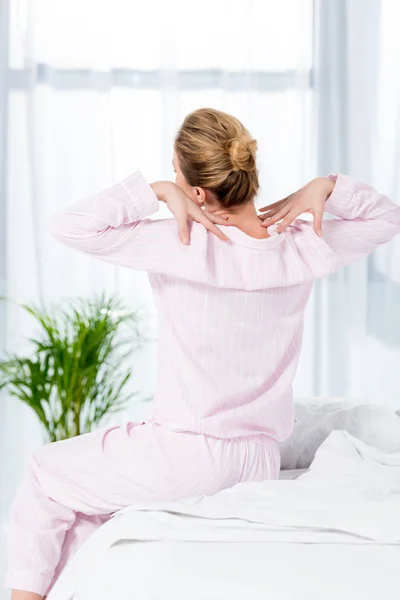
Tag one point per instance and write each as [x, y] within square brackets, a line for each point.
[255, 571]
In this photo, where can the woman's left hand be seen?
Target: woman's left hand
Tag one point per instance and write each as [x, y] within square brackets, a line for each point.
[309, 199]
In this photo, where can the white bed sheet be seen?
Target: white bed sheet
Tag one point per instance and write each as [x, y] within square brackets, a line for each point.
[244, 571]
[332, 533]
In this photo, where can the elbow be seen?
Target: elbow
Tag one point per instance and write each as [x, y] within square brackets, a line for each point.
[67, 229]
[63, 228]
[56, 227]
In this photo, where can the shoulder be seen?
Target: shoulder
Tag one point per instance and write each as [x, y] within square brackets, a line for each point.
[167, 229]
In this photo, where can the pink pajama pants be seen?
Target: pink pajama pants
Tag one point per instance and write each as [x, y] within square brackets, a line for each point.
[70, 488]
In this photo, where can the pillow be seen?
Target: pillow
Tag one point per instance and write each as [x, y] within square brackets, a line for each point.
[316, 418]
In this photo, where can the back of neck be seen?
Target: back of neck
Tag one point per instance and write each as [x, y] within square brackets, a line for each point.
[247, 221]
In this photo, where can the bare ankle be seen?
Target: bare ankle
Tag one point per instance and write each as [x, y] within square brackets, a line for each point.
[21, 595]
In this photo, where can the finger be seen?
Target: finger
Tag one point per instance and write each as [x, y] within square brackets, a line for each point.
[205, 221]
[216, 218]
[274, 205]
[183, 228]
[288, 220]
[268, 215]
[201, 217]
[277, 217]
[318, 222]
[214, 229]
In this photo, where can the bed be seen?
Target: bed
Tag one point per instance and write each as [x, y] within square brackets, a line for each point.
[253, 571]
[326, 532]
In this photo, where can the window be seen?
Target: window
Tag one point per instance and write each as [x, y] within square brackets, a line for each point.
[139, 67]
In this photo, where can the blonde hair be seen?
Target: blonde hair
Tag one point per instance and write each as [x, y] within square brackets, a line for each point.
[216, 152]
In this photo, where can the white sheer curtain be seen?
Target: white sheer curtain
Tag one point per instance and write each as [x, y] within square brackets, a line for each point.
[356, 317]
[95, 89]
[91, 90]
[384, 271]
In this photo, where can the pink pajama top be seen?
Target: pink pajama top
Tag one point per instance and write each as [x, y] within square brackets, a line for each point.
[231, 313]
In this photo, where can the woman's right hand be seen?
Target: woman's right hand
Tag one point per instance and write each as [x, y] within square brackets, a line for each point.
[184, 210]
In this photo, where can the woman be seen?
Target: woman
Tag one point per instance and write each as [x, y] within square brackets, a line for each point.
[231, 294]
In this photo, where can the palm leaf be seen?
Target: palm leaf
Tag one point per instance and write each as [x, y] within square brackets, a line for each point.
[75, 376]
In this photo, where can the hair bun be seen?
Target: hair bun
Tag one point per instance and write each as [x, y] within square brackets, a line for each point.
[242, 152]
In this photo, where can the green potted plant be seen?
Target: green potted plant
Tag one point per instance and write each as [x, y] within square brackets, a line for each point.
[75, 377]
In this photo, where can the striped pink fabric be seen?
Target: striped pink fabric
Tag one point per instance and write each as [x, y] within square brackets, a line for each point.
[231, 313]
[70, 488]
